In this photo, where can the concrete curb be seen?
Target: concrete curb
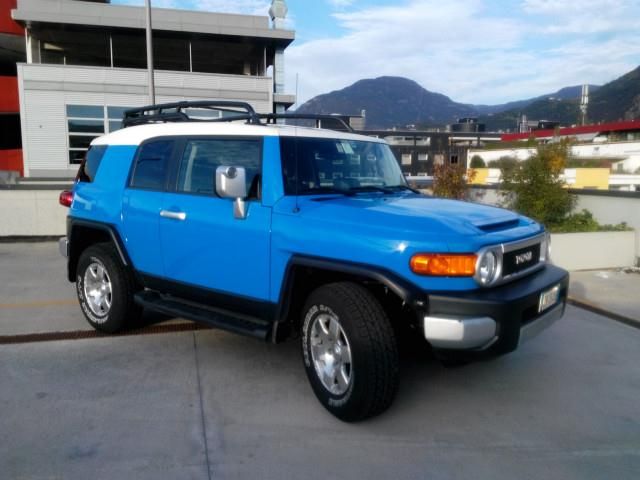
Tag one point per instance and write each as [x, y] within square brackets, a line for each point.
[29, 239]
[631, 322]
[87, 334]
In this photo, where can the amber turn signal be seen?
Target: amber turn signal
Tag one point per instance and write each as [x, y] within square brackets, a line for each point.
[444, 264]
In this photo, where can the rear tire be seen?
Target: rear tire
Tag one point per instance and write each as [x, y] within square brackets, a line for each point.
[349, 351]
[105, 289]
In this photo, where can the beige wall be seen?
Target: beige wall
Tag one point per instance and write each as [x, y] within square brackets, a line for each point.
[594, 250]
[31, 213]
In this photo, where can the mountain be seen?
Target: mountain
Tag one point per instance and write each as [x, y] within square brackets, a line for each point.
[566, 93]
[397, 102]
[566, 112]
[389, 102]
[617, 100]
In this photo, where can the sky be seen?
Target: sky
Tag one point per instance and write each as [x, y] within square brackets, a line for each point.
[474, 51]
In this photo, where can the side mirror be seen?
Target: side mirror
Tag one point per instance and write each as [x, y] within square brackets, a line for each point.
[231, 182]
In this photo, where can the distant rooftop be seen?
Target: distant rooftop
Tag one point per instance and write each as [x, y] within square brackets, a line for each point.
[622, 126]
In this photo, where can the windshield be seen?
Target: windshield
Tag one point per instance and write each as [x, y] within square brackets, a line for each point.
[323, 165]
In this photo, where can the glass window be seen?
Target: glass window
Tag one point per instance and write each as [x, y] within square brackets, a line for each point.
[85, 111]
[71, 45]
[406, 159]
[170, 52]
[129, 50]
[117, 113]
[423, 157]
[86, 122]
[76, 156]
[151, 165]
[86, 126]
[313, 165]
[201, 158]
[80, 141]
[89, 167]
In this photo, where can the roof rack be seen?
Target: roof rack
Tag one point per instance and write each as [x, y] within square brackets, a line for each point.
[175, 112]
[272, 117]
[231, 111]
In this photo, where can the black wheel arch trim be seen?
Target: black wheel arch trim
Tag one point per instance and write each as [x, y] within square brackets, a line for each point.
[408, 292]
[73, 222]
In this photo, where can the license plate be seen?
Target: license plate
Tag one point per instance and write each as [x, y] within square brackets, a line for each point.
[549, 298]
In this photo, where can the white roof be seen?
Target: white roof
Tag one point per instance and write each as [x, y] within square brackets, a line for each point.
[138, 134]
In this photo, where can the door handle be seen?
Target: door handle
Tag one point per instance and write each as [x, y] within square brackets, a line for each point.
[173, 215]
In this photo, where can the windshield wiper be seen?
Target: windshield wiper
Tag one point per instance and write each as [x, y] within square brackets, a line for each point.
[321, 190]
[403, 187]
[370, 188]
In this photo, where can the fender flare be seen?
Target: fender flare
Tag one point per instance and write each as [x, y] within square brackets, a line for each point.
[404, 289]
[72, 230]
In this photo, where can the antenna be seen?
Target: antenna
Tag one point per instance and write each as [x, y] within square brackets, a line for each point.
[584, 104]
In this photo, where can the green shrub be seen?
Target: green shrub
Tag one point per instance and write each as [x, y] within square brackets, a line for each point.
[505, 164]
[477, 162]
[584, 222]
[450, 181]
[534, 187]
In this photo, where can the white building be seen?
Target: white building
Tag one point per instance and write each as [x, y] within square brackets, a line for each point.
[86, 64]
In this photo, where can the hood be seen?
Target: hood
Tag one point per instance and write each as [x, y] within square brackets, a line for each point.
[409, 212]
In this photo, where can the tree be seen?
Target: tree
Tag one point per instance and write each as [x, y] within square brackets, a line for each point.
[505, 164]
[477, 162]
[534, 188]
[450, 181]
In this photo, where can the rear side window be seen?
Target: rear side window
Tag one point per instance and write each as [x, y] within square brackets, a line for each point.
[89, 167]
[150, 170]
[201, 158]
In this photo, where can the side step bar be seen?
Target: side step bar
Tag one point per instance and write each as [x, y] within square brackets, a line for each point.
[225, 320]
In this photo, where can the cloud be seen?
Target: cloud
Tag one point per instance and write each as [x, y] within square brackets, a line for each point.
[339, 4]
[586, 16]
[468, 49]
[428, 41]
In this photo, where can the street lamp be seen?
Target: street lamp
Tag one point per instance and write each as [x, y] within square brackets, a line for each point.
[152, 90]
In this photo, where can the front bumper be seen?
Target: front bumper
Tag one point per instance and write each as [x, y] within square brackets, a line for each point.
[494, 321]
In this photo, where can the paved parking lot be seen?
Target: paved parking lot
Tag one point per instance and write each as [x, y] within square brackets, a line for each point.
[208, 404]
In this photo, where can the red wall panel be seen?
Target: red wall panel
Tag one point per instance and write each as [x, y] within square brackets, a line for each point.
[7, 25]
[11, 160]
[9, 100]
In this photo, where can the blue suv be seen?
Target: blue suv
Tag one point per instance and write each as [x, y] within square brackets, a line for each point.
[211, 212]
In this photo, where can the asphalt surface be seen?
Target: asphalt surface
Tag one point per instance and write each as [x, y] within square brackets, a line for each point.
[208, 404]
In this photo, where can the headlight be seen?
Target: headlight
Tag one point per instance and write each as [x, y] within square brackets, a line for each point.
[487, 269]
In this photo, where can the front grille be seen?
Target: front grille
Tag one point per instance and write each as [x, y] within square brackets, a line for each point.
[521, 259]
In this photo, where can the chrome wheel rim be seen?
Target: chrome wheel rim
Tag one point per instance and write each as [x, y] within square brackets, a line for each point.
[331, 353]
[97, 289]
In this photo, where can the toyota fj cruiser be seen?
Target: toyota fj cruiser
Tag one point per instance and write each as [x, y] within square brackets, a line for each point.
[276, 231]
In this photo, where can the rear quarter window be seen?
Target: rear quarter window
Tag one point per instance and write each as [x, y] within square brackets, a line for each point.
[89, 167]
[151, 164]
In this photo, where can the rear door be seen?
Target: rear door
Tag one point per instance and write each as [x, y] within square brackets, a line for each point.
[142, 204]
[202, 243]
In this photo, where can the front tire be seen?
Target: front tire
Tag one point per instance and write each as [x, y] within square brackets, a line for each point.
[349, 351]
[105, 289]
